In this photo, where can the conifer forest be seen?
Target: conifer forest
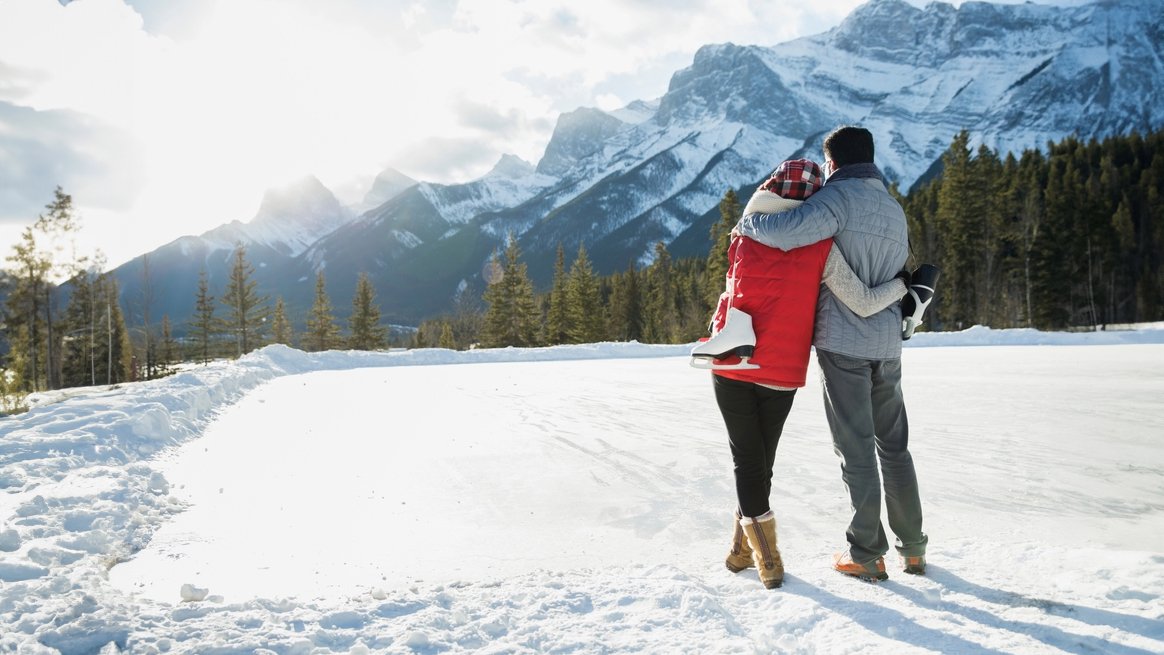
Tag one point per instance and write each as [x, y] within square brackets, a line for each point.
[1069, 237]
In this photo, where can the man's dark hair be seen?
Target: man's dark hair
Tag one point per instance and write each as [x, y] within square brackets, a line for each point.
[849, 144]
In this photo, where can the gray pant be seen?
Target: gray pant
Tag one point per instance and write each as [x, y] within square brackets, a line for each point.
[866, 414]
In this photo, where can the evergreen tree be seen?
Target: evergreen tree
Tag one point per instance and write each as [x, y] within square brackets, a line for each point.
[1051, 280]
[660, 319]
[322, 332]
[38, 258]
[692, 307]
[79, 348]
[987, 168]
[247, 310]
[512, 317]
[1031, 209]
[204, 327]
[960, 216]
[447, 340]
[364, 324]
[107, 357]
[626, 318]
[557, 318]
[100, 351]
[586, 315]
[468, 318]
[168, 350]
[281, 331]
[721, 232]
[420, 338]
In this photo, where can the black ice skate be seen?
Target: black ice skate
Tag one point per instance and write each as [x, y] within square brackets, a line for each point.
[917, 298]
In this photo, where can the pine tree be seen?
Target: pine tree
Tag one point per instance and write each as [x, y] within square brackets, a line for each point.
[96, 345]
[204, 327]
[447, 340]
[961, 216]
[37, 259]
[626, 319]
[281, 331]
[468, 318]
[118, 364]
[721, 233]
[364, 324]
[322, 332]
[988, 170]
[79, 348]
[660, 318]
[586, 316]
[247, 310]
[168, 350]
[512, 318]
[557, 319]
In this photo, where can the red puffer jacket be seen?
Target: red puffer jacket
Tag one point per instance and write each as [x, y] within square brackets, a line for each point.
[778, 289]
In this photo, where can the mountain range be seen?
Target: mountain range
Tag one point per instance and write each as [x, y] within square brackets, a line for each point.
[1016, 77]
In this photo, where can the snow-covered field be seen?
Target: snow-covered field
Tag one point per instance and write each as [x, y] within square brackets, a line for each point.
[576, 500]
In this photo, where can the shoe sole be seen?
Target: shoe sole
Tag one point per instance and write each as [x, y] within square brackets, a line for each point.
[865, 577]
[917, 568]
[736, 569]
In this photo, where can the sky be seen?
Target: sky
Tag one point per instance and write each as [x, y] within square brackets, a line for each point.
[286, 502]
[169, 117]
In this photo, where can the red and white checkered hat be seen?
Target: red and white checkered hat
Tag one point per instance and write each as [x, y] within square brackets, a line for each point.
[796, 179]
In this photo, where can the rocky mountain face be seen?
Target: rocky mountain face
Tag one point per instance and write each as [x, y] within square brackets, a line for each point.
[387, 184]
[1014, 76]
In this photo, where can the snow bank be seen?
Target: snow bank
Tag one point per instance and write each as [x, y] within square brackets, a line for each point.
[81, 491]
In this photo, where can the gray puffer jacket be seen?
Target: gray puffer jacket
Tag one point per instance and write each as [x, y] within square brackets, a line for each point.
[869, 227]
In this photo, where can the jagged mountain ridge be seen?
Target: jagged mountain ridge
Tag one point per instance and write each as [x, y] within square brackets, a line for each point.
[289, 219]
[1015, 76]
[389, 183]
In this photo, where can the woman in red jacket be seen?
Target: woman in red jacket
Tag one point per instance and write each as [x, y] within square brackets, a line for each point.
[778, 290]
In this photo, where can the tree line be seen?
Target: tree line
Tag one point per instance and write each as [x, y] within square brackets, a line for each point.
[87, 342]
[1072, 236]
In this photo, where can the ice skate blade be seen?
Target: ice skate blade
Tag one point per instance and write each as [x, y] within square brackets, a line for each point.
[708, 364]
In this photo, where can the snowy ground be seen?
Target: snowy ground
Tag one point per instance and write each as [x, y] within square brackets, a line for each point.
[576, 500]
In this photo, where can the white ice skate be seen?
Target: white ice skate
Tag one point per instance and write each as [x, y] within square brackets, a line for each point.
[922, 283]
[736, 338]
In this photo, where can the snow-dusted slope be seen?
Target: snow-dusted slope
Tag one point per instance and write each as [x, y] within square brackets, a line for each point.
[510, 182]
[1014, 76]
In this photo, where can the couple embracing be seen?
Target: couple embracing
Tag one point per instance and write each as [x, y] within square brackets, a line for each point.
[800, 264]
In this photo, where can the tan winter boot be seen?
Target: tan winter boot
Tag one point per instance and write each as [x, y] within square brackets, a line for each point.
[740, 556]
[761, 533]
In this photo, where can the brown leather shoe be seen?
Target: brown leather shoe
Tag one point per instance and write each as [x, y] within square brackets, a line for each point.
[914, 565]
[870, 572]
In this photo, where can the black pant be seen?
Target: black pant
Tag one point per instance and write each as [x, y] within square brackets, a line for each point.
[754, 416]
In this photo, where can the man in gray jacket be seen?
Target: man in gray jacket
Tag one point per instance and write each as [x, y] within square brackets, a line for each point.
[860, 358]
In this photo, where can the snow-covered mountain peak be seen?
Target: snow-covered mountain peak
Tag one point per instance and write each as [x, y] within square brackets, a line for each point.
[290, 218]
[387, 185]
[637, 111]
[305, 196]
[577, 134]
[511, 166]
